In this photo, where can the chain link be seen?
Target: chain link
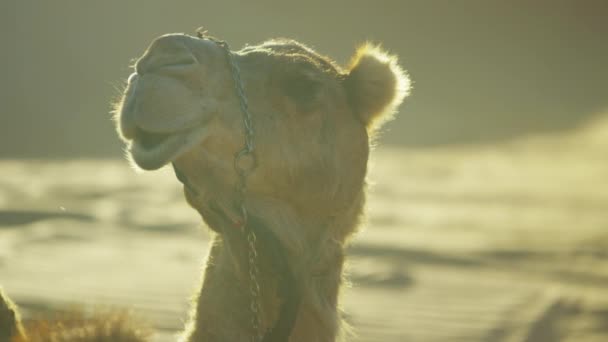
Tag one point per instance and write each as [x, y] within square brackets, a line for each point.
[244, 164]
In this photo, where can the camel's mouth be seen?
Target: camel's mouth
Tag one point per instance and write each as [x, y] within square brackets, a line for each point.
[151, 151]
[150, 140]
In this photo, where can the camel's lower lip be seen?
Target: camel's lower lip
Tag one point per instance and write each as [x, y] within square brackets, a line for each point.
[151, 151]
[150, 140]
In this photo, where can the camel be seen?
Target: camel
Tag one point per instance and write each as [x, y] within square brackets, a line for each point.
[271, 144]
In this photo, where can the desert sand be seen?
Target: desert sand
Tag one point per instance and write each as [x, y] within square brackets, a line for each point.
[498, 242]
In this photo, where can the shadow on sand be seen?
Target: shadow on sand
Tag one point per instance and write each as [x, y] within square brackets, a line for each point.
[24, 217]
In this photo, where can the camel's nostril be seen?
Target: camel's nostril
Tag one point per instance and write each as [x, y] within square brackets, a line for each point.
[162, 62]
[166, 54]
[132, 78]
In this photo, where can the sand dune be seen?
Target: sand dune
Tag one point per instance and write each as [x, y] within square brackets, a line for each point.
[503, 242]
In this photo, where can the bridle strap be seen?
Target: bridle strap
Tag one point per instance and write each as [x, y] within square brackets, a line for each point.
[288, 289]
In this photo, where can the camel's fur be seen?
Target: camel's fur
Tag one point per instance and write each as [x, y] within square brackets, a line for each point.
[313, 122]
[10, 322]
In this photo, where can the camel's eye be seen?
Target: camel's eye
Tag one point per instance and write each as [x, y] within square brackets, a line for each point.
[302, 88]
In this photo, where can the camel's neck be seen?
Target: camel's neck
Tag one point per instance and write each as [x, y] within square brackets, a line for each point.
[314, 253]
[223, 305]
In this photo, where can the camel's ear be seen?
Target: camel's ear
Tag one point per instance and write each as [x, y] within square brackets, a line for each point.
[376, 85]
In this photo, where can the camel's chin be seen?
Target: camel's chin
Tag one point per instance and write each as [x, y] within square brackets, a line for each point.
[152, 157]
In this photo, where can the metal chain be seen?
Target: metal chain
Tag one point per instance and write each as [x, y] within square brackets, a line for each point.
[244, 164]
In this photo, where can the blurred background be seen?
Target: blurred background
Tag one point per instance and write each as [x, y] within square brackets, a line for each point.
[488, 220]
[483, 70]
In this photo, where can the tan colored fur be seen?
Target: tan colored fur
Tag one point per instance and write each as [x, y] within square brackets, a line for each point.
[10, 322]
[313, 121]
[75, 326]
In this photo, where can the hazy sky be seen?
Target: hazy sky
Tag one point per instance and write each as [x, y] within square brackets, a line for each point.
[483, 70]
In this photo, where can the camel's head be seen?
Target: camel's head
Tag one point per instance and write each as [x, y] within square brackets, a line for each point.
[312, 119]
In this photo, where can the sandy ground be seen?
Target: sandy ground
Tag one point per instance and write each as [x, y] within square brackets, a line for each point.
[504, 242]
